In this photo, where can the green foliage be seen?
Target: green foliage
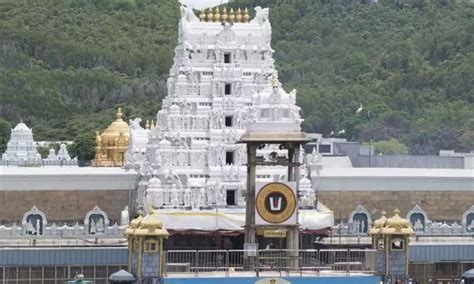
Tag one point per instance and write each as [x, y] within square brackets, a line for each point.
[390, 147]
[83, 147]
[5, 130]
[411, 65]
[66, 64]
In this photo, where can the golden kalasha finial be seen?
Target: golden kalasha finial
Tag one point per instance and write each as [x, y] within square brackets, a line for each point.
[246, 15]
[210, 15]
[147, 125]
[152, 124]
[224, 15]
[231, 15]
[275, 79]
[119, 113]
[217, 14]
[202, 15]
[396, 212]
[238, 16]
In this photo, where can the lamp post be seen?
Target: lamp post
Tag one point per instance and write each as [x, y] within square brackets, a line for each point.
[369, 115]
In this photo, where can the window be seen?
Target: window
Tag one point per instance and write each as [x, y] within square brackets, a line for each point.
[229, 157]
[228, 121]
[230, 198]
[227, 89]
[151, 246]
[398, 245]
[226, 57]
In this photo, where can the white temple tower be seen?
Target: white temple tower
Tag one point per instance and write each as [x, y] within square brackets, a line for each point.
[21, 148]
[223, 79]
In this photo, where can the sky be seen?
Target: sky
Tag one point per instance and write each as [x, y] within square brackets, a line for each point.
[199, 4]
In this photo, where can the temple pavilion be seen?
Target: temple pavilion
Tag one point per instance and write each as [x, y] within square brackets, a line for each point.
[112, 144]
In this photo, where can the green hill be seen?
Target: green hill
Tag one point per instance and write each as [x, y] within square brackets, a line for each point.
[66, 64]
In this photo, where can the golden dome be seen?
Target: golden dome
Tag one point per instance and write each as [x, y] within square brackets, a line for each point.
[112, 144]
[146, 226]
[115, 128]
[396, 222]
[394, 225]
[380, 223]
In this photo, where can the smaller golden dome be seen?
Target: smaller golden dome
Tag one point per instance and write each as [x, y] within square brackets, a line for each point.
[202, 16]
[217, 15]
[238, 16]
[224, 15]
[380, 223]
[146, 226]
[210, 16]
[231, 15]
[396, 222]
[135, 222]
[246, 17]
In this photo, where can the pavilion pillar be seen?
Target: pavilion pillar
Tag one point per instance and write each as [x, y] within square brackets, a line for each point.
[250, 196]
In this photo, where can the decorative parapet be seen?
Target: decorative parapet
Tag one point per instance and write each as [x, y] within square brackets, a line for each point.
[35, 225]
[420, 222]
[468, 221]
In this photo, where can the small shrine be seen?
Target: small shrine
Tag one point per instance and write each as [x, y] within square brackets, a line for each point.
[390, 237]
[112, 144]
[145, 248]
[21, 148]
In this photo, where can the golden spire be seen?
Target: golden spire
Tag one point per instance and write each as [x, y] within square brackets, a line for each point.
[147, 125]
[202, 15]
[275, 79]
[210, 16]
[119, 113]
[231, 15]
[224, 15]
[238, 16]
[246, 15]
[217, 14]
[396, 212]
[152, 124]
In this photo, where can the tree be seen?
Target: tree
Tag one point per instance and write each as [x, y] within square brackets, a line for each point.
[5, 130]
[83, 147]
[390, 147]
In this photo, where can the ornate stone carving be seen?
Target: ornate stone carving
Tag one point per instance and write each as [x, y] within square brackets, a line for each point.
[418, 219]
[360, 220]
[33, 222]
[96, 222]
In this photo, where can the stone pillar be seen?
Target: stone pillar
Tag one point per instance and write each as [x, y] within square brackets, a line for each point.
[293, 235]
[250, 196]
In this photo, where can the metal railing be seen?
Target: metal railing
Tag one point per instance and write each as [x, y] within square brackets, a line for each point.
[229, 262]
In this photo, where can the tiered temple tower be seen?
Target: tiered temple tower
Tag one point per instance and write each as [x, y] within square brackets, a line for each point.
[21, 148]
[223, 79]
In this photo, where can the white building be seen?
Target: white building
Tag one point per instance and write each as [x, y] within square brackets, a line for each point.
[222, 82]
[21, 148]
[22, 151]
